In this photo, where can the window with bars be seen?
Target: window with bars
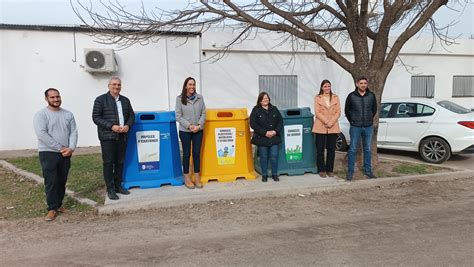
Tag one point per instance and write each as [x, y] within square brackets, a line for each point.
[463, 86]
[422, 86]
[283, 89]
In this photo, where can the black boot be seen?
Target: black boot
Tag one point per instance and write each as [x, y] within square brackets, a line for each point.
[121, 190]
[275, 178]
[112, 195]
[264, 178]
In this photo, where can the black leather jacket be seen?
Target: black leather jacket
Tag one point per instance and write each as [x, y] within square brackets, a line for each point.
[360, 110]
[261, 121]
[105, 115]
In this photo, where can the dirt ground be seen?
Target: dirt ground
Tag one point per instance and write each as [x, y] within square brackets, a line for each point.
[384, 167]
[419, 223]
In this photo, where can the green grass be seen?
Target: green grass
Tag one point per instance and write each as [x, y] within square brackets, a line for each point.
[341, 173]
[381, 172]
[23, 198]
[85, 176]
[410, 168]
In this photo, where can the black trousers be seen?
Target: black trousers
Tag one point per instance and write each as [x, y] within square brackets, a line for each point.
[326, 142]
[113, 156]
[189, 139]
[55, 171]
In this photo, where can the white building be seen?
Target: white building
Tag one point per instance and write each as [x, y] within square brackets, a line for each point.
[34, 58]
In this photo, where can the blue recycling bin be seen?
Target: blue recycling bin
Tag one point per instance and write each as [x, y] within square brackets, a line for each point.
[297, 151]
[152, 158]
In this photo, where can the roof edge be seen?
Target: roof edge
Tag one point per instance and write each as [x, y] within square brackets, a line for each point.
[83, 28]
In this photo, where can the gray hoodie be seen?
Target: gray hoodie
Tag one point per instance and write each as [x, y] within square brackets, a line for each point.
[194, 112]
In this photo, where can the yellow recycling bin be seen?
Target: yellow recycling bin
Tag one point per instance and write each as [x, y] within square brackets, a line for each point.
[226, 153]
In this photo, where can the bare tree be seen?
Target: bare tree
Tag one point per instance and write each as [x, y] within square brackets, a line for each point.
[366, 24]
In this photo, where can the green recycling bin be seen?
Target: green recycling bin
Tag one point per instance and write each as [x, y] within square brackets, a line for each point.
[297, 152]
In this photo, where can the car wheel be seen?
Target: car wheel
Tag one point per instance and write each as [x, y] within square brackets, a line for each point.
[434, 150]
[341, 143]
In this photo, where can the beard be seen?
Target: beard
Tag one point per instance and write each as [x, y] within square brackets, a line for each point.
[54, 104]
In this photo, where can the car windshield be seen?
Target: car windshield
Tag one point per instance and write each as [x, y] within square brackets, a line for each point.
[454, 107]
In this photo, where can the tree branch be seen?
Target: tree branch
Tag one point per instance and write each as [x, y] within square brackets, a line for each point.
[416, 26]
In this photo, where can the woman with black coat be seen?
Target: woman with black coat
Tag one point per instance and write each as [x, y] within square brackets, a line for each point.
[267, 124]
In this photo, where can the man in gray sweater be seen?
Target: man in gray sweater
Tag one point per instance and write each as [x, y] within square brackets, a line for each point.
[56, 130]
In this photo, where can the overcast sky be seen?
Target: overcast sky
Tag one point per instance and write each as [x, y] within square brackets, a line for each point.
[59, 12]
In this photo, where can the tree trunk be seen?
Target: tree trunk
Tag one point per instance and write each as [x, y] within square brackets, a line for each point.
[376, 85]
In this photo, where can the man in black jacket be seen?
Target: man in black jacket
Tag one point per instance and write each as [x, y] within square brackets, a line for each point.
[113, 114]
[360, 109]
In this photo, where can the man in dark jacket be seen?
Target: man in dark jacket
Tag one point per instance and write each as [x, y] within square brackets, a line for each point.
[360, 109]
[113, 115]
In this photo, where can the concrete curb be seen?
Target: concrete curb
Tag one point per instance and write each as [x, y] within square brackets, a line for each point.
[335, 185]
[40, 180]
[196, 199]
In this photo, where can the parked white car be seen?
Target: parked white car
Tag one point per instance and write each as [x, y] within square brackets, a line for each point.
[435, 128]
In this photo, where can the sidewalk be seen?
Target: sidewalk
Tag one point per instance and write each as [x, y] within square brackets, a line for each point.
[215, 191]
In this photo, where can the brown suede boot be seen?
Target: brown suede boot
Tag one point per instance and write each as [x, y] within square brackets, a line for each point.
[51, 216]
[187, 182]
[197, 181]
[63, 210]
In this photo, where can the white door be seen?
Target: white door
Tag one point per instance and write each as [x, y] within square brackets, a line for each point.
[384, 114]
[407, 124]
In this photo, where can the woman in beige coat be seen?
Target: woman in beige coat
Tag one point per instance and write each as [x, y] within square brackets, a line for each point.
[326, 126]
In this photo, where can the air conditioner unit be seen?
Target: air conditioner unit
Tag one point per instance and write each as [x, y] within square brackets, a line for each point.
[100, 60]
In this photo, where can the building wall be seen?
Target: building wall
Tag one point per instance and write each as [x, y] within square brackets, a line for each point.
[260, 56]
[32, 61]
[152, 75]
[443, 67]
[238, 77]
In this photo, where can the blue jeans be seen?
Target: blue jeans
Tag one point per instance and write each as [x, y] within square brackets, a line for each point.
[264, 152]
[356, 133]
